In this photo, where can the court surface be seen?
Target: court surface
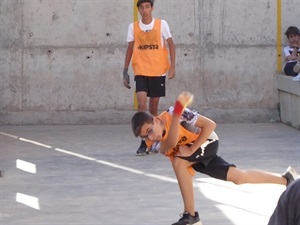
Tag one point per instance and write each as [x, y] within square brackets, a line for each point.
[89, 174]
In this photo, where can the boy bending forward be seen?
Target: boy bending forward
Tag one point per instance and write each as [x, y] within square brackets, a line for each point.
[189, 140]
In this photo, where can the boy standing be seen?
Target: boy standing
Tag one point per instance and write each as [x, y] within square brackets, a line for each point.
[292, 53]
[147, 49]
[190, 142]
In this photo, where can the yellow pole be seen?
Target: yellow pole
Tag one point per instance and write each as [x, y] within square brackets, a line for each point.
[135, 18]
[279, 40]
[135, 11]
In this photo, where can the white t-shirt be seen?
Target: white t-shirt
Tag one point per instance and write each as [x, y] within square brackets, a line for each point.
[288, 51]
[165, 30]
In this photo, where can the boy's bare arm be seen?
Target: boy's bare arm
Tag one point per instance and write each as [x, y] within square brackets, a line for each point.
[171, 73]
[207, 127]
[183, 100]
[129, 51]
[128, 55]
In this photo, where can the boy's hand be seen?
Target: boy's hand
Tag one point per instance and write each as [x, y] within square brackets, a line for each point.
[171, 73]
[126, 80]
[184, 99]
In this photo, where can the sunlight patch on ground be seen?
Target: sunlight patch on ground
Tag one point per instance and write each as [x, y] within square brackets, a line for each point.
[26, 166]
[28, 200]
[239, 216]
[242, 204]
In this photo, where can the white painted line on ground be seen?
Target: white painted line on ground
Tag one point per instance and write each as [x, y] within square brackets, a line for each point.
[9, 135]
[35, 142]
[114, 165]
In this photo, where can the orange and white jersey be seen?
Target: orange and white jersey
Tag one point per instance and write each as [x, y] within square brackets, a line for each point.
[188, 132]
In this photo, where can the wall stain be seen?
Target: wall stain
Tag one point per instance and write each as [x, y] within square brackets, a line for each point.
[54, 16]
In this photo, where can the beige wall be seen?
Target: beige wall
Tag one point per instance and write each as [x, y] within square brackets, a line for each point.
[61, 60]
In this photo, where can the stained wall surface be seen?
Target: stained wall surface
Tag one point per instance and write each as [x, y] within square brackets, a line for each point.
[61, 61]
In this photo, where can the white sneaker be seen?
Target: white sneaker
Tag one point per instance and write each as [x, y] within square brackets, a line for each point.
[290, 174]
[297, 78]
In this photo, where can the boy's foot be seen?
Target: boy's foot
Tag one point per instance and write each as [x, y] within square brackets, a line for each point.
[297, 66]
[290, 174]
[297, 78]
[188, 219]
[143, 149]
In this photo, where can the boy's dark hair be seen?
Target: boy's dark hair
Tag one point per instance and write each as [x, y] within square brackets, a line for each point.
[142, 1]
[138, 120]
[292, 30]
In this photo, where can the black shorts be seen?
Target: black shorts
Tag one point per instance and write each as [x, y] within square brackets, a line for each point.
[289, 69]
[154, 86]
[208, 162]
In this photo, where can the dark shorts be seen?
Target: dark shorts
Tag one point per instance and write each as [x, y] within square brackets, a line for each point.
[154, 86]
[289, 69]
[209, 163]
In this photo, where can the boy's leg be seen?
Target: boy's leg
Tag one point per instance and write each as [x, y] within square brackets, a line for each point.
[185, 181]
[156, 89]
[153, 105]
[142, 105]
[297, 66]
[142, 100]
[220, 169]
[141, 88]
[297, 69]
[239, 176]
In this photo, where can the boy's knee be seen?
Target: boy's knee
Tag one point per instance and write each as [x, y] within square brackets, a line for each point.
[237, 176]
[179, 163]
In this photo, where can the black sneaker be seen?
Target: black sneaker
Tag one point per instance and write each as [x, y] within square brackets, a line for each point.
[143, 149]
[290, 174]
[188, 219]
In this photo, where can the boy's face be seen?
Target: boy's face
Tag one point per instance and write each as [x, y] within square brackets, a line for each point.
[294, 38]
[145, 9]
[152, 131]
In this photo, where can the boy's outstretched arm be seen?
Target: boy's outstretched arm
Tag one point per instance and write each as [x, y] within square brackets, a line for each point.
[183, 100]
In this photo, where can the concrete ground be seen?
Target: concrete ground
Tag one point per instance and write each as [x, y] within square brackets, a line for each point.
[88, 175]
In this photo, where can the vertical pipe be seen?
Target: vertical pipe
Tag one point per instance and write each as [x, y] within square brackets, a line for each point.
[135, 18]
[279, 40]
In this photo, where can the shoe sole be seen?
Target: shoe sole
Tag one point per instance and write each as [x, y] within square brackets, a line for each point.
[145, 154]
[142, 154]
[197, 223]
